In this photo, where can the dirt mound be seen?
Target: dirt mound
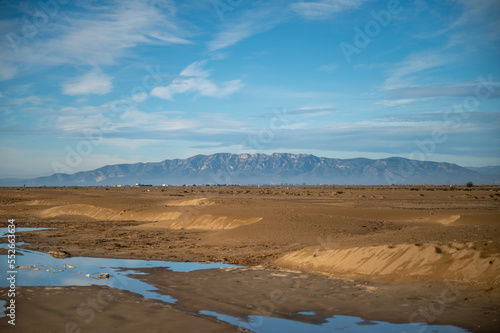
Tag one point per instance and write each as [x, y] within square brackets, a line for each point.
[160, 216]
[430, 261]
[202, 222]
[100, 213]
[91, 211]
[43, 202]
[190, 202]
[442, 219]
[449, 219]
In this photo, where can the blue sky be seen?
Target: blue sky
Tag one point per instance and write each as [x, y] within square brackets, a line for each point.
[89, 83]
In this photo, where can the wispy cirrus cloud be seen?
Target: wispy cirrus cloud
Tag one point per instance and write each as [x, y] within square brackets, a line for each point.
[267, 15]
[129, 143]
[470, 27]
[127, 24]
[28, 100]
[477, 117]
[94, 82]
[405, 72]
[322, 10]
[479, 17]
[129, 123]
[395, 103]
[95, 35]
[329, 68]
[262, 17]
[195, 79]
[446, 90]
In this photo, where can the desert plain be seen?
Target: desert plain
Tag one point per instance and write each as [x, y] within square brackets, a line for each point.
[398, 254]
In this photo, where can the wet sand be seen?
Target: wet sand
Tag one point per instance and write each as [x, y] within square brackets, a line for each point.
[403, 254]
[100, 309]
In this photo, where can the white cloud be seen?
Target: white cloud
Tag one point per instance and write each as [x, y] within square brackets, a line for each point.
[135, 124]
[218, 56]
[130, 121]
[33, 100]
[196, 69]
[84, 110]
[76, 123]
[139, 97]
[94, 82]
[172, 112]
[262, 17]
[462, 89]
[126, 26]
[395, 103]
[321, 10]
[195, 79]
[7, 71]
[475, 12]
[329, 68]
[129, 143]
[136, 121]
[403, 73]
[92, 35]
[82, 100]
[232, 36]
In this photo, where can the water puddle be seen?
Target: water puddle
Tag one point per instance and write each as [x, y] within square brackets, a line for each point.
[307, 313]
[5, 231]
[41, 269]
[38, 269]
[262, 324]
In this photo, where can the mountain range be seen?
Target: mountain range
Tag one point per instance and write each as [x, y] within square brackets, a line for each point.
[278, 168]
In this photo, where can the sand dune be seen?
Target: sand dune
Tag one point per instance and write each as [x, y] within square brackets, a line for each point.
[80, 210]
[202, 222]
[106, 214]
[434, 261]
[190, 202]
[176, 220]
[43, 202]
[448, 219]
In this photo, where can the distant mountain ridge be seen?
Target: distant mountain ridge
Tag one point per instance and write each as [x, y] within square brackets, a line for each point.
[487, 170]
[278, 168]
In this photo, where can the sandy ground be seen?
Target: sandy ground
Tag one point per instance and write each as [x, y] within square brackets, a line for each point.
[100, 309]
[428, 254]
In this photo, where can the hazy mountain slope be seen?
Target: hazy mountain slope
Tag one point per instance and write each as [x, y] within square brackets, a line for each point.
[492, 171]
[268, 169]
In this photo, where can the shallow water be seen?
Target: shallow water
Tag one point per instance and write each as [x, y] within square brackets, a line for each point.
[37, 269]
[41, 269]
[263, 324]
[4, 231]
[307, 313]
[3, 304]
